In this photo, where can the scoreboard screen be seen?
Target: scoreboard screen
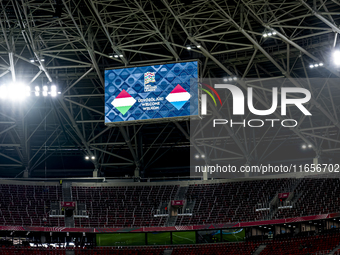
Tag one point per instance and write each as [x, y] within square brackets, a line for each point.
[151, 93]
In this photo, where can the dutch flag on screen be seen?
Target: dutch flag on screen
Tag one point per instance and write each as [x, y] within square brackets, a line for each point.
[178, 97]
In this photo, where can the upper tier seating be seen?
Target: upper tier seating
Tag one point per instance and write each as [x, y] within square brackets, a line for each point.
[315, 196]
[123, 206]
[26, 205]
[135, 206]
[231, 202]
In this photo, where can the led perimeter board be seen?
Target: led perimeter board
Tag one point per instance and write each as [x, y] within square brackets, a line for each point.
[151, 93]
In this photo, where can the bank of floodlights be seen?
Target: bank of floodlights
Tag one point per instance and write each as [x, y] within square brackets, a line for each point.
[46, 91]
[90, 157]
[305, 146]
[230, 78]
[113, 55]
[316, 65]
[18, 91]
[192, 46]
[269, 34]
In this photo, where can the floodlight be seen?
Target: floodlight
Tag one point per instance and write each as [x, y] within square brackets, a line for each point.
[93, 157]
[316, 65]
[197, 156]
[321, 64]
[111, 55]
[309, 146]
[45, 88]
[202, 156]
[16, 91]
[235, 78]
[42, 59]
[225, 79]
[265, 35]
[37, 88]
[87, 157]
[274, 33]
[53, 88]
[121, 56]
[32, 60]
[311, 66]
[53, 93]
[45, 93]
[336, 57]
[269, 34]
[230, 78]
[198, 46]
[304, 146]
[188, 47]
[37, 93]
[116, 56]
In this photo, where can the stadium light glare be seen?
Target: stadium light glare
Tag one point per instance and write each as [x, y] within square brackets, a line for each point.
[45, 93]
[53, 88]
[37, 93]
[230, 78]
[3, 92]
[16, 91]
[45, 88]
[28, 91]
[37, 88]
[336, 57]
[53, 93]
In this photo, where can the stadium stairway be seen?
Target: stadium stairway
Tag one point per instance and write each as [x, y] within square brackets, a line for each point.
[67, 197]
[259, 249]
[335, 250]
[69, 252]
[167, 252]
[67, 192]
[292, 197]
[171, 221]
[181, 193]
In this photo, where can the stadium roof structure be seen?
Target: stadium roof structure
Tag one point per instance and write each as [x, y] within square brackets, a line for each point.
[69, 43]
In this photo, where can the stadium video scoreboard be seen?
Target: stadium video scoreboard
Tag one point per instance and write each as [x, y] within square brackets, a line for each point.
[152, 93]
